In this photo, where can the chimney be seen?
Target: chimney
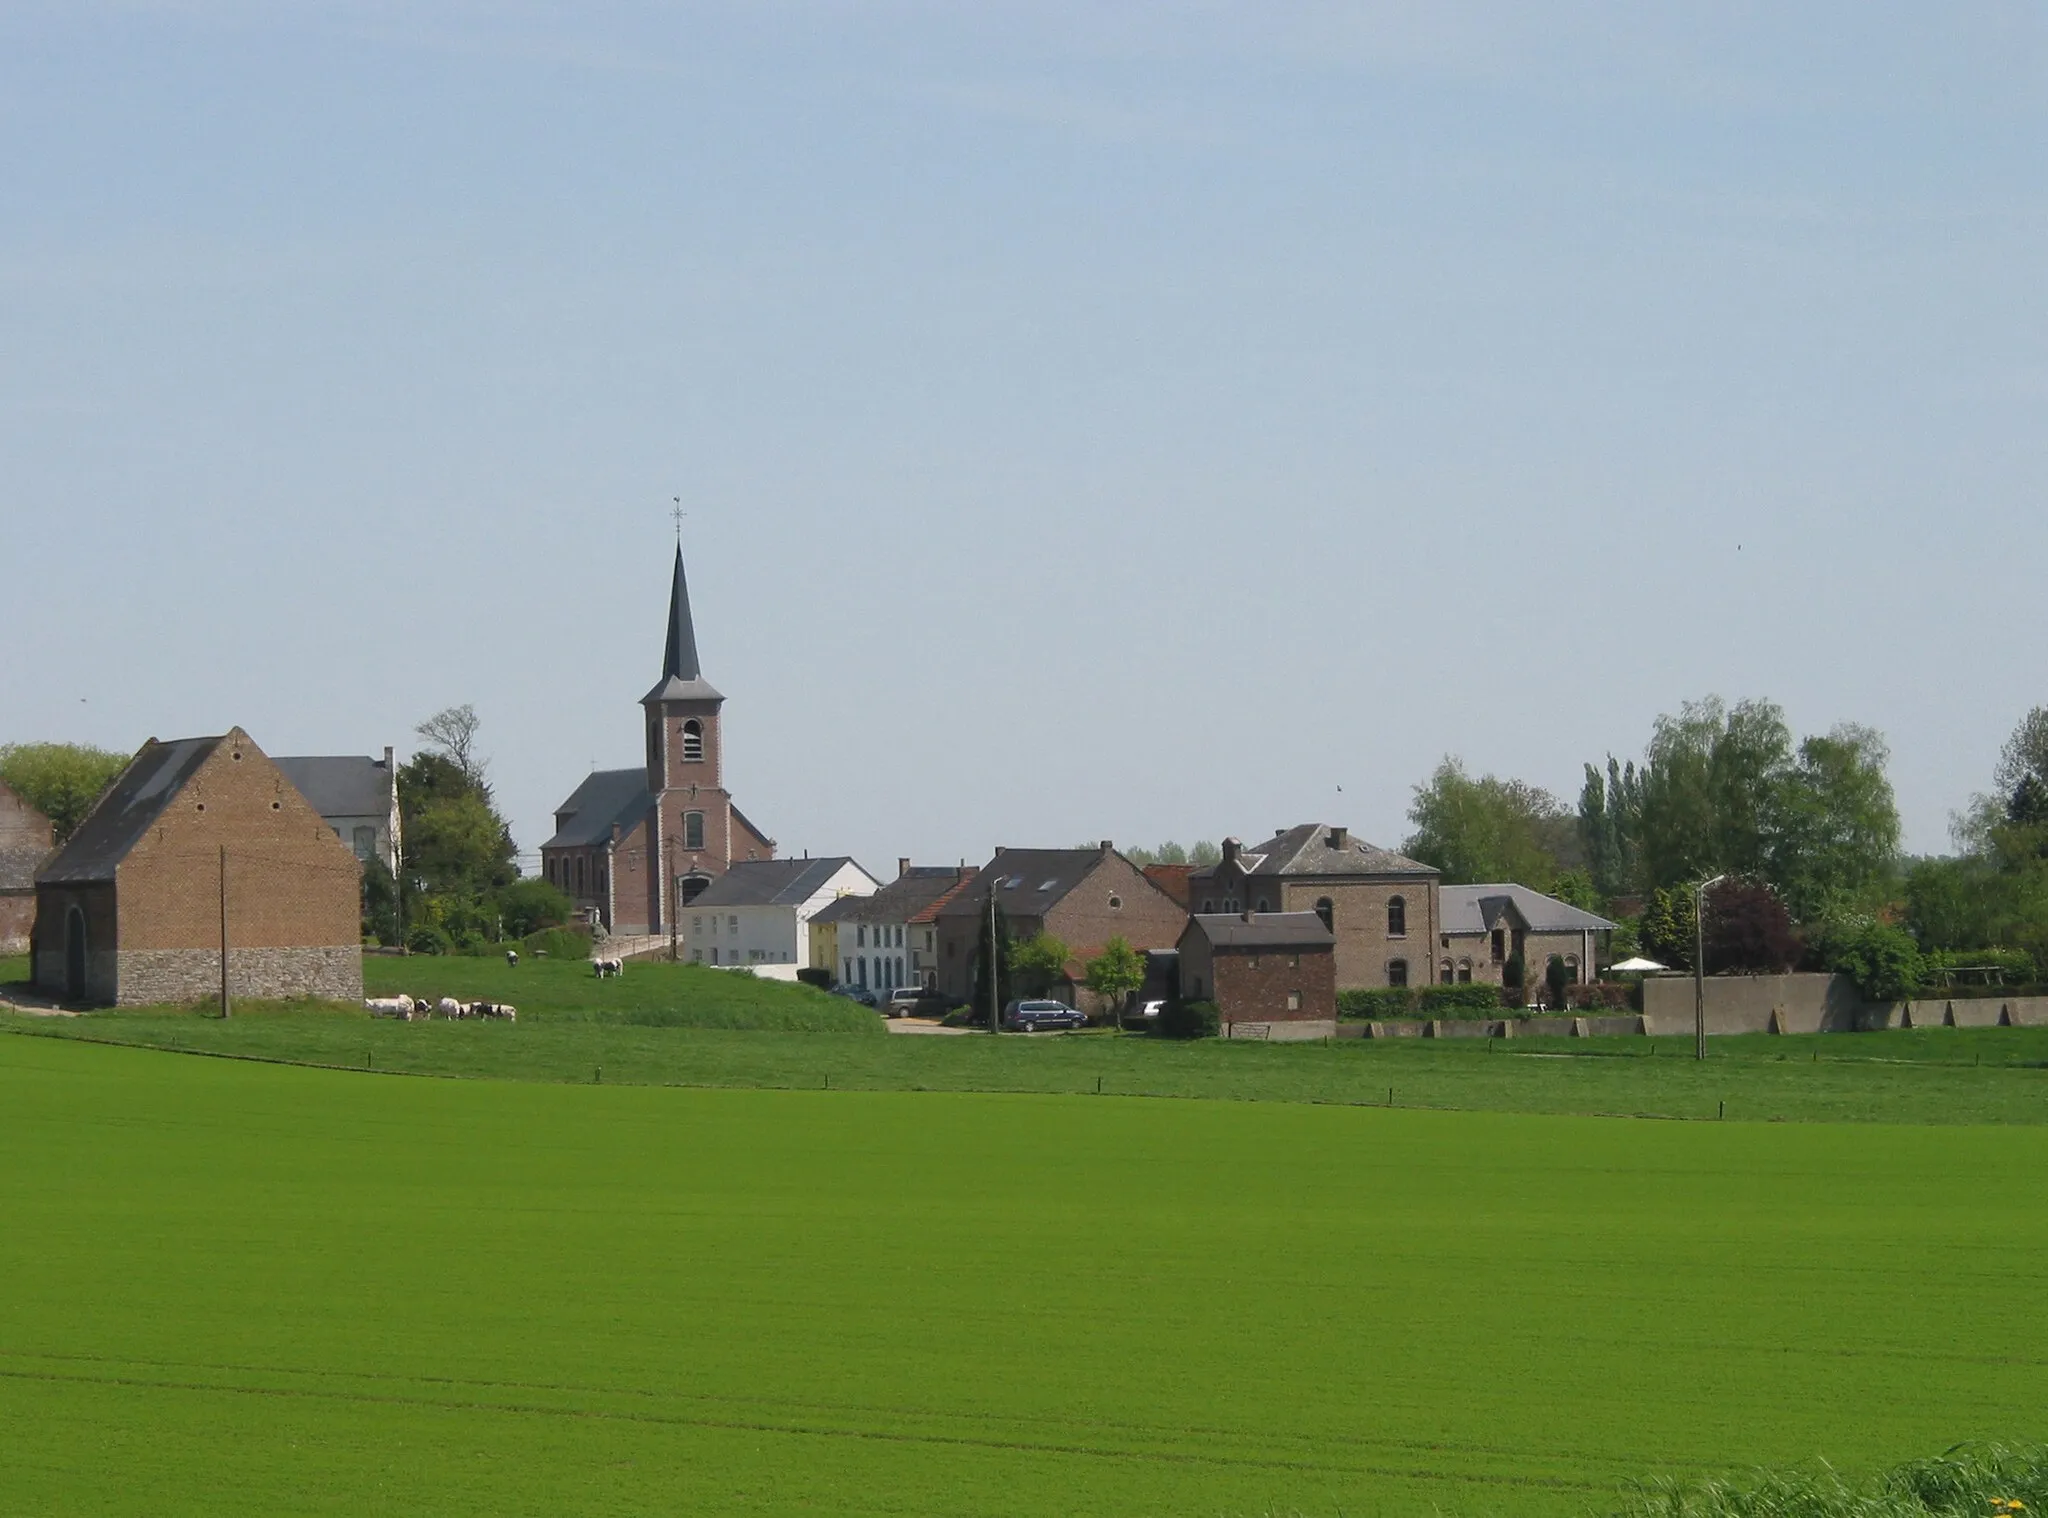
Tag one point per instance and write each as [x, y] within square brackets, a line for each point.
[1230, 848]
[902, 867]
[387, 756]
[1108, 847]
[1340, 838]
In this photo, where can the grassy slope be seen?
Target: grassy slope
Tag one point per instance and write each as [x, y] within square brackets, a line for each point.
[236, 1288]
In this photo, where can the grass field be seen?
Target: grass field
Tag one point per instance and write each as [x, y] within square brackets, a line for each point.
[247, 1288]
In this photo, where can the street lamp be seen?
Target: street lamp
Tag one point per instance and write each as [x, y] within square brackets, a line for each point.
[1699, 965]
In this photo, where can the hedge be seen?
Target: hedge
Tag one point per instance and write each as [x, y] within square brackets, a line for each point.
[1380, 1003]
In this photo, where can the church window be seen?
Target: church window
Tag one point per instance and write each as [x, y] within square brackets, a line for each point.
[1397, 919]
[1397, 972]
[693, 741]
[600, 880]
[1208, 904]
[579, 877]
[1263, 906]
[860, 935]
[693, 830]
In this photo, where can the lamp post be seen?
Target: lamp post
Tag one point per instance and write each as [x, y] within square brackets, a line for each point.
[1699, 965]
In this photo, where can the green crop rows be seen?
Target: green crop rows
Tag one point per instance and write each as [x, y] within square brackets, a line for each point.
[236, 1287]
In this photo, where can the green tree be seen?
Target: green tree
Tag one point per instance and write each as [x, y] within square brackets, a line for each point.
[1712, 783]
[1555, 978]
[1203, 853]
[1489, 829]
[458, 849]
[1668, 928]
[1115, 975]
[1610, 825]
[530, 904]
[60, 780]
[1037, 963]
[1883, 960]
[1834, 841]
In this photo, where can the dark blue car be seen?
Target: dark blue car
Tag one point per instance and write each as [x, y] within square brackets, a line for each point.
[1030, 1016]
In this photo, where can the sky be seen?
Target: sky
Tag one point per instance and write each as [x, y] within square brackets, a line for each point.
[1093, 420]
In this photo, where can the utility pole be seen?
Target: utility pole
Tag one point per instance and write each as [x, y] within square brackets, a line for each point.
[224, 1004]
[1699, 965]
[668, 862]
[995, 961]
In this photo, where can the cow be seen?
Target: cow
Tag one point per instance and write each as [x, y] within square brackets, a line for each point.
[448, 1006]
[512, 958]
[604, 967]
[389, 1006]
[499, 1009]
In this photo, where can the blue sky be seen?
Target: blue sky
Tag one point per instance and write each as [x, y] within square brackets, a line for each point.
[1095, 420]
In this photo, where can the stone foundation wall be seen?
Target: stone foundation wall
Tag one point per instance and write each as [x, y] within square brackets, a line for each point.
[153, 976]
[17, 917]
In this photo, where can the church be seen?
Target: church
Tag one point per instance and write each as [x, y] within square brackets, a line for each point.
[633, 848]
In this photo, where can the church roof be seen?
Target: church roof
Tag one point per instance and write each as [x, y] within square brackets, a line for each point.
[127, 809]
[682, 678]
[604, 797]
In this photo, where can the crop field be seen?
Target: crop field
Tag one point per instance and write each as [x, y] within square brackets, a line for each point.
[236, 1287]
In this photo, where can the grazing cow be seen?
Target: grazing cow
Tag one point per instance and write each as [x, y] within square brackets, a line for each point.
[389, 1006]
[512, 958]
[448, 1006]
[499, 1009]
[605, 967]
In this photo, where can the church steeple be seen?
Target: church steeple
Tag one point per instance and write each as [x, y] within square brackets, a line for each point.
[682, 678]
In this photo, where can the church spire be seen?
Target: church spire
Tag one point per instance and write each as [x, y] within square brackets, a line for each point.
[680, 660]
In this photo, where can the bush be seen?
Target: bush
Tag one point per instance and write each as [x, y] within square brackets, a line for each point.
[557, 943]
[529, 905]
[428, 939]
[813, 975]
[1514, 975]
[2011, 966]
[1454, 1001]
[1882, 960]
[1190, 1019]
[1378, 1003]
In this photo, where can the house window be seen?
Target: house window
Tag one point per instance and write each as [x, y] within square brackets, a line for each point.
[1294, 1001]
[1571, 965]
[1500, 945]
[1327, 910]
[693, 741]
[697, 924]
[693, 830]
[1446, 972]
[1397, 918]
[365, 842]
[1397, 972]
[714, 954]
[849, 971]
[733, 922]
[1464, 972]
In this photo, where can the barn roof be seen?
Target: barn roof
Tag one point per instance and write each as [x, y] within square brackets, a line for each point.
[1262, 930]
[127, 809]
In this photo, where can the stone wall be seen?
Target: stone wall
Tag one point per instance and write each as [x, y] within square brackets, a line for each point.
[1960, 1012]
[151, 977]
[1754, 1004]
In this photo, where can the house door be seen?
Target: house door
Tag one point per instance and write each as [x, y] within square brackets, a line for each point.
[74, 955]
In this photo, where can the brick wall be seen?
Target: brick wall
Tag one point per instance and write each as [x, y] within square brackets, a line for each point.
[1255, 986]
[1115, 900]
[1359, 920]
[1536, 951]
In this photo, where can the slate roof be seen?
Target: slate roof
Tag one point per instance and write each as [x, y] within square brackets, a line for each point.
[682, 678]
[1477, 908]
[18, 868]
[604, 797]
[1028, 882]
[901, 900]
[345, 785]
[127, 809]
[771, 882]
[1262, 930]
[1307, 850]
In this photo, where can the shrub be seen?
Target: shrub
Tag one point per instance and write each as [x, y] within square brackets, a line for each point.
[1451, 1001]
[1190, 1019]
[1515, 973]
[557, 943]
[1377, 1003]
[1555, 979]
[428, 939]
[814, 975]
[2010, 966]
[1882, 960]
[529, 905]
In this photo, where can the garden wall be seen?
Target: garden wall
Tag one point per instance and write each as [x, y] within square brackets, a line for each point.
[1754, 1004]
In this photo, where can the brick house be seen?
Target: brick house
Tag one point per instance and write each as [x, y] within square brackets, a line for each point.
[1381, 907]
[1484, 926]
[193, 833]
[633, 848]
[1083, 897]
[25, 842]
[1261, 966]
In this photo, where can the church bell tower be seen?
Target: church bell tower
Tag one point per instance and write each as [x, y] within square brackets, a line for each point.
[685, 764]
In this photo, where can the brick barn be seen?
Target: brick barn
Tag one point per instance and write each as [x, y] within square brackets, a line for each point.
[25, 842]
[194, 832]
[1261, 966]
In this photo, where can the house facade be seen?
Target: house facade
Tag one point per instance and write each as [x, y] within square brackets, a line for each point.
[758, 913]
[1484, 926]
[1083, 897]
[201, 852]
[356, 796]
[635, 848]
[1381, 908]
[1261, 966]
[887, 939]
[25, 842]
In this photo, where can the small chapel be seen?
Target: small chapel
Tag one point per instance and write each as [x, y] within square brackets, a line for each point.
[633, 848]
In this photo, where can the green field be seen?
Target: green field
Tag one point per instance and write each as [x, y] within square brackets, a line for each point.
[236, 1287]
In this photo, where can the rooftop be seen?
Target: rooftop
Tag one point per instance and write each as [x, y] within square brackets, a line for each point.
[127, 808]
[772, 882]
[1477, 908]
[1262, 930]
[1315, 848]
[343, 785]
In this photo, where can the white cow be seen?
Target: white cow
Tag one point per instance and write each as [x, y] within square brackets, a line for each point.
[512, 958]
[605, 967]
[389, 1006]
[498, 1009]
[448, 1006]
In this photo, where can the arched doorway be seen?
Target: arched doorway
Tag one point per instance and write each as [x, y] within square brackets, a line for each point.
[74, 955]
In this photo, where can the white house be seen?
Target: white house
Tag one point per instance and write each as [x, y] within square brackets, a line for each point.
[759, 912]
[886, 939]
[357, 797]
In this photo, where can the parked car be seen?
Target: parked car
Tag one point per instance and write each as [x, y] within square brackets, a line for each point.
[1030, 1016]
[860, 994]
[904, 1000]
[1143, 1016]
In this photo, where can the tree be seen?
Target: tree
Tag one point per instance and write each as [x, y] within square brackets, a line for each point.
[451, 733]
[1747, 930]
[1115, 975]
[1489, 829]
[60, 780]
[1883, 960]
[528, 905]
[1167, 853]
[1667, 930]
[458, 850]
[1711, 786]
[1610, 822]
[2025, 755]
[1555, 978]
[1037, 963]
[1203, 853]
[1834, 840]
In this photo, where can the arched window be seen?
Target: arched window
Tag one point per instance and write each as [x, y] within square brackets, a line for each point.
[1327, 910]
[579, 877]
[1397, 918]
[693, 741]
[693, 830]
[695, 886]
[1397, 972]
[1464, 972]
[1261, 905]
[1446, 972]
